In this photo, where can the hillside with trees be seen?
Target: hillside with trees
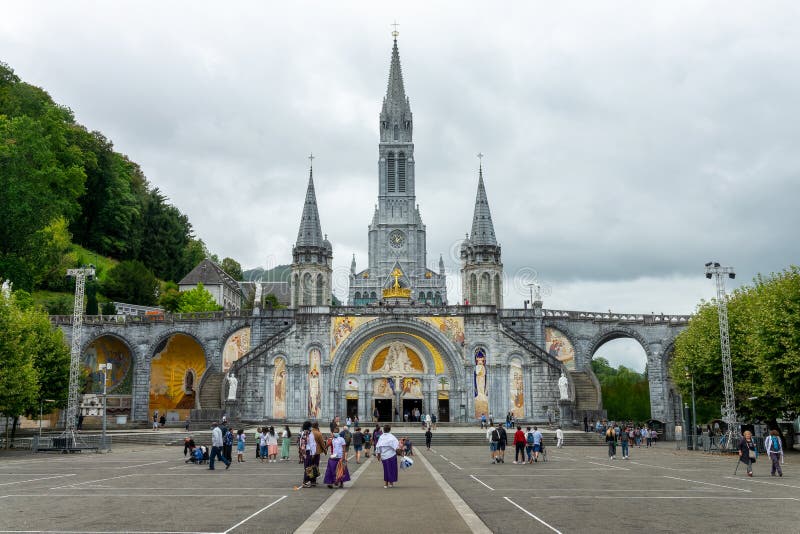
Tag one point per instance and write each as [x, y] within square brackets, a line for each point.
[67, 198]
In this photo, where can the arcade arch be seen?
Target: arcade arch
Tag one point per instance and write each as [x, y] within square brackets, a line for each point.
[175, 359]
[109, 348]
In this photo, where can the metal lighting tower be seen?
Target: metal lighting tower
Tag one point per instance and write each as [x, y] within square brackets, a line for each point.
[715, 270]
[81, 275]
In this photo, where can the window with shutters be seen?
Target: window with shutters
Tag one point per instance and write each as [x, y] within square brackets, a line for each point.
[391, 171]
[401, 172]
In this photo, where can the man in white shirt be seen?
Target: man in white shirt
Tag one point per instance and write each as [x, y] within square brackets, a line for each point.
[559, 437]
[216, 448]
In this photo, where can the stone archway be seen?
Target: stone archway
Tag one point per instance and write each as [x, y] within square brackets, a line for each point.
[362, 356]
[121, 383]
[176, 356]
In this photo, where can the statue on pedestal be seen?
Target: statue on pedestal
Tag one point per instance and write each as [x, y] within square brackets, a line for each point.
[563, 386]
[233, 383]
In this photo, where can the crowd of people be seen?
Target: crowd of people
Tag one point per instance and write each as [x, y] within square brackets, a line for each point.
[272, 446]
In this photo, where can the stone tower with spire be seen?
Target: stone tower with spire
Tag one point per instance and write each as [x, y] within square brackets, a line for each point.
[481, 264]
[397, 233]
[312, 256]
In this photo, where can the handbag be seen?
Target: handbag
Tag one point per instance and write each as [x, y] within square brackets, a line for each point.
[312, 471]
[752, 454]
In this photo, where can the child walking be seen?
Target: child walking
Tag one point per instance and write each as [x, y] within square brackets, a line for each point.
[240, 446]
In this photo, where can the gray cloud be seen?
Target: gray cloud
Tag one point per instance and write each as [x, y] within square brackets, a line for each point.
[623, 143]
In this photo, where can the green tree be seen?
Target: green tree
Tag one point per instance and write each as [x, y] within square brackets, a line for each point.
[233, 268]
[170, 298]
[91, 298]
[108, 308]
[626, 393]
[168, 233]
[763, 321]
[271, 301]
[197, 300]
[131, 282]
[18, 376]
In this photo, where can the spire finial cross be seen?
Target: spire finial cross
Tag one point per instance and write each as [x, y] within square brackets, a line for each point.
[480, 156]
[311, 158]
[395, 33]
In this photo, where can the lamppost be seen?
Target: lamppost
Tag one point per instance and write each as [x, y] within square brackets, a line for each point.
[105, 368]
[694, 409]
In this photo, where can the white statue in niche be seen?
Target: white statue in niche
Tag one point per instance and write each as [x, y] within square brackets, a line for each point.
[563, 386]
[233, 383]
[397, 361]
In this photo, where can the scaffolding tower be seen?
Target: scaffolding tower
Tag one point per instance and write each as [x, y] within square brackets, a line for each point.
[719, 273]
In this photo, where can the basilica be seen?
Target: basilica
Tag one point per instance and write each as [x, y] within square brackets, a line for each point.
[398, 347]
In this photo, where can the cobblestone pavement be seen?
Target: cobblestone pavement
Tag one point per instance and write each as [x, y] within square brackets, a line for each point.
[453, 489]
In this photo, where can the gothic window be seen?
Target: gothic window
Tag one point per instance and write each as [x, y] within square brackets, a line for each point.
[390, 172]
[319, 291]
[430, 296]
[373, 297]
[437, 299]
[396, 132]
[306, 292]
[473, 289]
[497, 290]
[422, 296]
[401, 172]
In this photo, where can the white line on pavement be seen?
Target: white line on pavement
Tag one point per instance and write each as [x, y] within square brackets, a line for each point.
[662, 467]
[551, 527]
[92, 481]
[443, 458]
[470, 518]
[35, 479]
[611, 466]
[750, 480]
[707, 483]
[142, 465]
[481, 482]
[251, 516]
[666, 497]
[457, 467]
[314, 521]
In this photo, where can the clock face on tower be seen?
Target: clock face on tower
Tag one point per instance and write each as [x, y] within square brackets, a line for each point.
[397, 239]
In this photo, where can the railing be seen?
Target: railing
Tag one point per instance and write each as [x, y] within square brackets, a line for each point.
[169, 318]
[417, 309]
[618, 317]
[276, 338]
[531, 347]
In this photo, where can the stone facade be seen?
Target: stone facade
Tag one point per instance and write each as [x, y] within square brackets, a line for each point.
[398, 346]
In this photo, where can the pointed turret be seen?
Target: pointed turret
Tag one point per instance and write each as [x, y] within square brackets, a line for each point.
[441, 265]
[312, 256]
[396, 118]
[310, 232]
[353, 265]
[482, 226]
[481, 264]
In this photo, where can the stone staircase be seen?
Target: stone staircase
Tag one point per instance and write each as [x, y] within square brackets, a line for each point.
[588, 398]
[211, 390]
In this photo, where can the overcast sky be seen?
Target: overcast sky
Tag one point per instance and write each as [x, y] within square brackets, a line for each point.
[625, 143]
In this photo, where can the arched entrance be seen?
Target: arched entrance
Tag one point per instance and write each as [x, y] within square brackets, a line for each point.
[119, 386]
[176, 369]
[392, 370]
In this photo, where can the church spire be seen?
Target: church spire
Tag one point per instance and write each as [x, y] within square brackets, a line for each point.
[396, 119]
[482, 226]
[310, 232]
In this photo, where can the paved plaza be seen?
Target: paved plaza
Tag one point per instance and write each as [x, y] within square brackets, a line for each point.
[448, 490]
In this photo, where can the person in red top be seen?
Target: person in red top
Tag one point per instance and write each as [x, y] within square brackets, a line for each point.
[519, 446]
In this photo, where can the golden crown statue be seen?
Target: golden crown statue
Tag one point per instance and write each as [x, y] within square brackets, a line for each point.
[396, 291]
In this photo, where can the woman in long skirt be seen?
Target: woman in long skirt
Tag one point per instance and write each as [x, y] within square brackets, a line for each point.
[336, 473]
[286, 440]
[386, 449]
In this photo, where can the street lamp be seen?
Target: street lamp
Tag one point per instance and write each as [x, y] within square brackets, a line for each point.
[105, 368]
[694, 410]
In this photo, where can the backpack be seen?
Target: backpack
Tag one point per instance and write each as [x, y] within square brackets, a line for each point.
[366, 438]
[348, 437]
[495, 435]
[776, 446]
[228, 438]
[529, 438]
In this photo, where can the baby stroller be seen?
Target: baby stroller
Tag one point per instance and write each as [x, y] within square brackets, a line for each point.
[199, 455]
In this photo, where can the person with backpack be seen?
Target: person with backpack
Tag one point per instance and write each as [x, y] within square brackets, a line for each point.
[519, 446]
[367, 442]
[493, 435]
[537, 444]
[529, 444]
[348, 438]
[774, 448]
[227, 442]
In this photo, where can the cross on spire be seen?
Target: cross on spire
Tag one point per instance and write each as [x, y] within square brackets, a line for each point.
[395, 33]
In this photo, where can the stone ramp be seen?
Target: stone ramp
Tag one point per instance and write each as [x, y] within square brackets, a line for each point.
[366, 504]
